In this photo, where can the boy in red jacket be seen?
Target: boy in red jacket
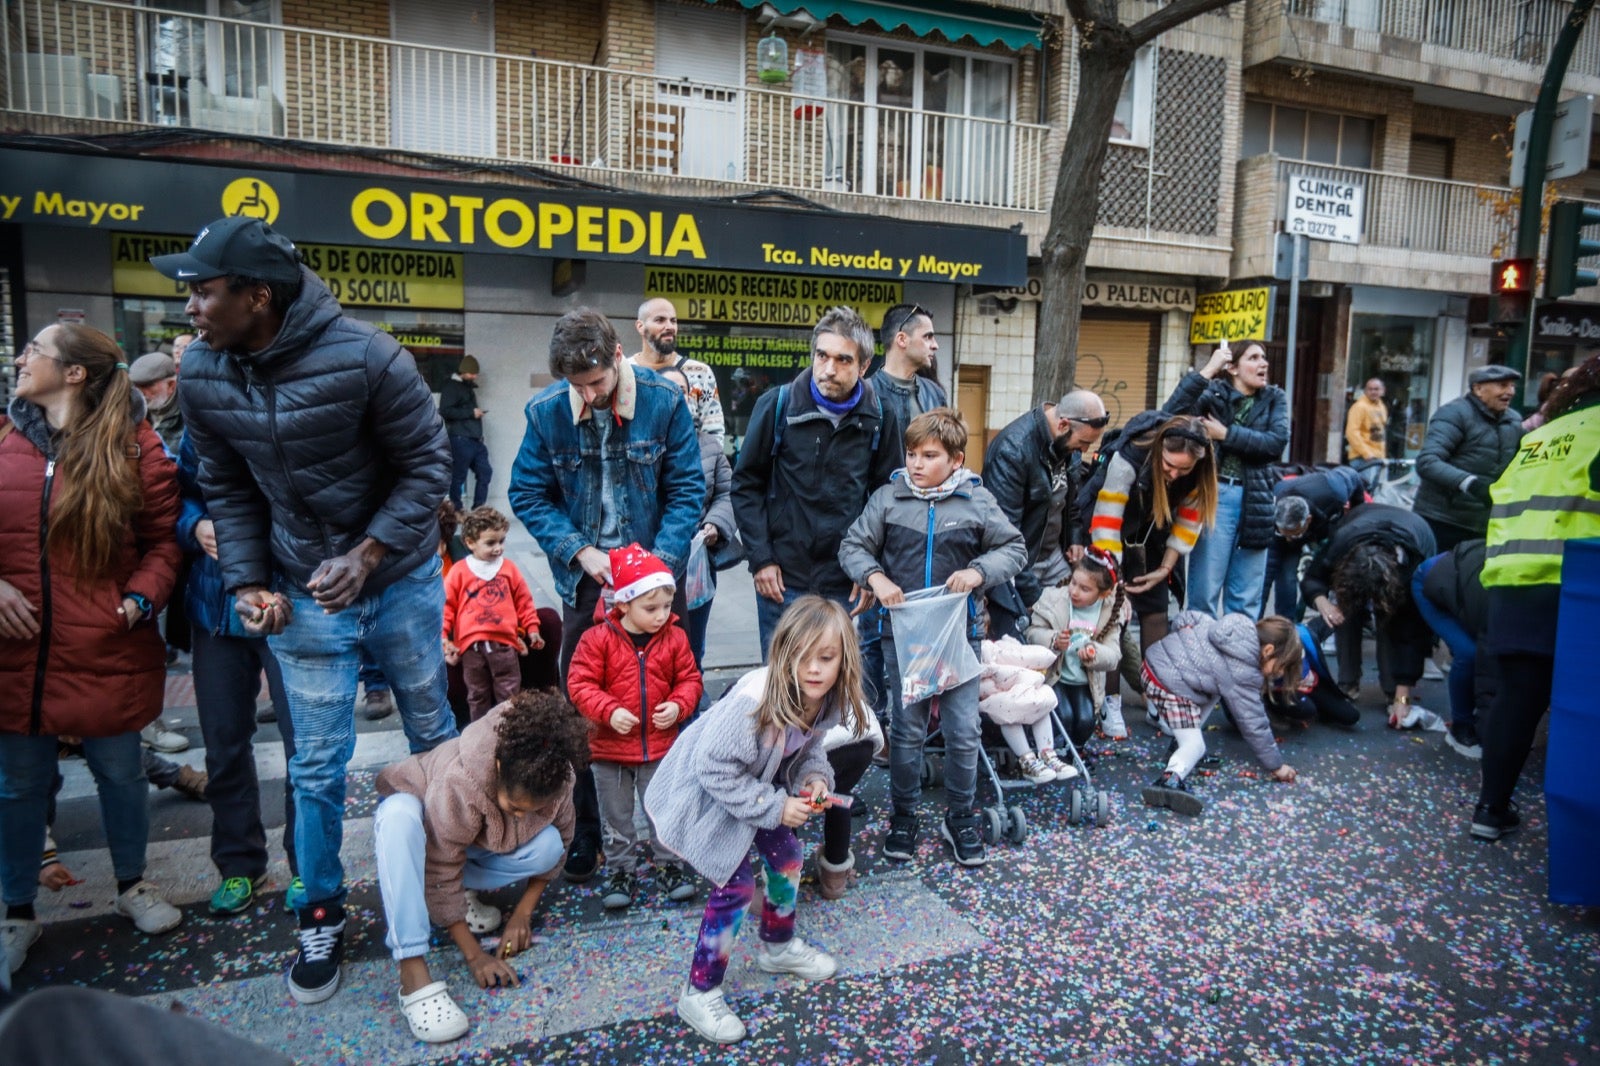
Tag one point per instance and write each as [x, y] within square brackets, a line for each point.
[636, 679]
[487, 609]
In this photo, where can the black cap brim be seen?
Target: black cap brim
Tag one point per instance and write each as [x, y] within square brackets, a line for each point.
[184, 267]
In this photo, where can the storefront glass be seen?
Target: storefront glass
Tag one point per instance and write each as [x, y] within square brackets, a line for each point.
[1399, 350]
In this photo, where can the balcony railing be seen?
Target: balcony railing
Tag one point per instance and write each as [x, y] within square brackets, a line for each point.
[1420, 214]
[1521, 31]
[111, 61]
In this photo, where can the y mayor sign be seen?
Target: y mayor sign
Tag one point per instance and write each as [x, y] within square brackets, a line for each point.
[157, 196]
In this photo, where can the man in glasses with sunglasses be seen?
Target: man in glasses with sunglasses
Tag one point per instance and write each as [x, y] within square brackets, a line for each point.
[1032, 469]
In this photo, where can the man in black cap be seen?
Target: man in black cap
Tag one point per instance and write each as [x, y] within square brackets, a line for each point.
[323, 462]
[1469, 443]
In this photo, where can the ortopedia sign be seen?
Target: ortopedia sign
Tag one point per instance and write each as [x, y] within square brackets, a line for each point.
[1324, 209]
[358, 276]
[1237, 314]
[94, 191]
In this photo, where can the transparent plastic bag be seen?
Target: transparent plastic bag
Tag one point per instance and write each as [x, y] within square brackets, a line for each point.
[699, 583]
[930, 643]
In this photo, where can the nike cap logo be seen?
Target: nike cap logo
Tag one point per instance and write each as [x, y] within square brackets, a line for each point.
[188, 273]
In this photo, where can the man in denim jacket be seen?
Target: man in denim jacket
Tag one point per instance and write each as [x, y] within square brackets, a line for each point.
[610, 458]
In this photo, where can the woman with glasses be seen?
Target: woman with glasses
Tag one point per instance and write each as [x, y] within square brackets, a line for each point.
[88, 556]
[1248, 422]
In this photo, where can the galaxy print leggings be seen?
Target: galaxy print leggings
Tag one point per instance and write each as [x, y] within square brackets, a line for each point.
[780, 855]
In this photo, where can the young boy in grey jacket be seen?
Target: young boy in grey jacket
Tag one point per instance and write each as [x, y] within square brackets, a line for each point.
[933, 524]
[1203, 660]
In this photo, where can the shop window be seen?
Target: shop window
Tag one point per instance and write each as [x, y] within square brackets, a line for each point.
[929, 123]
[1399, 350]
[206, 66]
[1314, 136]
[1131, 124]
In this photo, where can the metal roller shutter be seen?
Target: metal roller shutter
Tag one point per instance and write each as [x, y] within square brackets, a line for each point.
[1116, 357]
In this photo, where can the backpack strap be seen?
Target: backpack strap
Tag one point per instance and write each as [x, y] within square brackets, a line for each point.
[778, 423]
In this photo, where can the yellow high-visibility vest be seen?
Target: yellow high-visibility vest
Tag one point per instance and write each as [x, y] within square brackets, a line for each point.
[1546, 497]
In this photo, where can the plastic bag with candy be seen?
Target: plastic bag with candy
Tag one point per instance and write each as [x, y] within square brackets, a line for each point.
[930, 642]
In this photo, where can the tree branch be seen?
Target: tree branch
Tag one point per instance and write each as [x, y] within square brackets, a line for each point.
[1174, 14]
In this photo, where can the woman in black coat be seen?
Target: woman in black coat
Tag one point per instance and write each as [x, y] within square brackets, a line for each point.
[1248, 420]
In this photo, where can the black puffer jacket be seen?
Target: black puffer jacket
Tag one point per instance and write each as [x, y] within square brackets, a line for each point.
[793, 508]
[326, 437]
[1018, 469]
[1464, 439]
[1394, 527]
[1258, 441]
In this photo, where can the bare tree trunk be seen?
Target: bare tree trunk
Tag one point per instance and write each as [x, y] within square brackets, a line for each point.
[1106, 50]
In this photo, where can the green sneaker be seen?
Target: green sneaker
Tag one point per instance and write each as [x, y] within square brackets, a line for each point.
[235, 895]
[295, 898]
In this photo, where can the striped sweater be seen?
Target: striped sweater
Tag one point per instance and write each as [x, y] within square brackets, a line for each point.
[1111, 504]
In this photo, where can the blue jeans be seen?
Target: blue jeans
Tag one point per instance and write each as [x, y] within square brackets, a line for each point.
[27, 780]
[869, 628]
[768, 613]
[469, 455]
[908, 733]
[320, 656]
[1463, 649]
[401, 841]
[1218, 567]
[370, 676]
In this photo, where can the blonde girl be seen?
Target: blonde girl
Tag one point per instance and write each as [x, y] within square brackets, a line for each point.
[752, 770]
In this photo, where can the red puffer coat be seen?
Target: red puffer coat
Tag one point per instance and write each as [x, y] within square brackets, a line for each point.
[605, 675]
[99, 678]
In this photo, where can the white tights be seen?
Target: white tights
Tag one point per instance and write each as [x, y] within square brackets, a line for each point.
[1191, 748]
[1044, 738]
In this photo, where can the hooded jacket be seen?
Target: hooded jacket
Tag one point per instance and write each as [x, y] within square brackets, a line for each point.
[458, 785]
[86, 674]
[1464, 440]
[608, 672]
[324, 438]
[1205, 659]
[1257, 442]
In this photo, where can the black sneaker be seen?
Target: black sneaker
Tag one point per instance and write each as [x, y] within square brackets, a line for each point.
[583, 860]
[1464, 739]
[901, 843]
[1170, 792]
[1490, 824]
[965, 838]
[315, 974]
[620, 887]
[671, 879]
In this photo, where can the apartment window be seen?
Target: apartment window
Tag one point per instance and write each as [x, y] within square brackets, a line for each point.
[932, 124]
[442, 92]
[1315, 136]
[204, 71]
[1131, 124]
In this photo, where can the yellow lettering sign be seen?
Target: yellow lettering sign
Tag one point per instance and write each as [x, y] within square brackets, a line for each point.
[1235, 314]
[767, 299]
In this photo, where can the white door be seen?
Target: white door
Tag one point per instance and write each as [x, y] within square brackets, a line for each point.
[443, 100]
[706, 48]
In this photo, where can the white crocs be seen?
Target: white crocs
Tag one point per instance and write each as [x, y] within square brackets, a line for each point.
[433, 1016]
[482, 917]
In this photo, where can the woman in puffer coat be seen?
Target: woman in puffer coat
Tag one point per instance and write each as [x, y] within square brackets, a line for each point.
[88, 557]
[1248, 420]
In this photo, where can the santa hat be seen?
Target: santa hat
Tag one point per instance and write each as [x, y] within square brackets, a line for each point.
[635, 571]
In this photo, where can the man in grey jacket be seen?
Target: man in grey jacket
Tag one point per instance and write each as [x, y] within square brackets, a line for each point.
[1469, 443]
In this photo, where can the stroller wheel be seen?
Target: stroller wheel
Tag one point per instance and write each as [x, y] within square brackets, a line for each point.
[1017, 825]
[932, 772]
[994, 825]
[1075, 806]
[1102, 810]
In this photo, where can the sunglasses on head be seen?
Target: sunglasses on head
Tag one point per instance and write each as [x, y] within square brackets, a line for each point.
[1093, 423]
[912, 311]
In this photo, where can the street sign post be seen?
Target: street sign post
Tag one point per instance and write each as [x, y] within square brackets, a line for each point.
[1572, 125]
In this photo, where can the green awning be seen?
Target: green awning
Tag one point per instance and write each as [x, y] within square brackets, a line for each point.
[951, 19]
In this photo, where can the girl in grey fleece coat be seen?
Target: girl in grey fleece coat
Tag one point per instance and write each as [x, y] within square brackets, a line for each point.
[1202, 660]
[752, 770]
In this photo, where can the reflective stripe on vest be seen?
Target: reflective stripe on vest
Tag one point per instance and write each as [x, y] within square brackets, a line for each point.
[1542, 500]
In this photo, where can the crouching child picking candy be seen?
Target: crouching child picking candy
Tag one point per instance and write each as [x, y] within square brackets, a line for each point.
[481, 811]
[752, 770]
[1202, 660]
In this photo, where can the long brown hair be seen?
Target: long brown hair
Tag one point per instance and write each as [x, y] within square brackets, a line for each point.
[1183, 433]
[97, 490]
[1278, 631]
[809, 621]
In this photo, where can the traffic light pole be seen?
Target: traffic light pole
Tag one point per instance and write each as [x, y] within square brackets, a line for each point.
[1530, 218]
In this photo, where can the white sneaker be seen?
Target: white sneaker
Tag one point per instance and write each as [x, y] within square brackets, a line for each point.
[1064, 771]
[1111, 723]
[1036, 770]
[16, 937]
[708, 1014]
[481, 917]
[158, 737]
[148, 908]
[1431, 671]
[796, 957]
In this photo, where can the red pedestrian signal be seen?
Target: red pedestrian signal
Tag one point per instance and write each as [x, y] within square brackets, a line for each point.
[1511, 275]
